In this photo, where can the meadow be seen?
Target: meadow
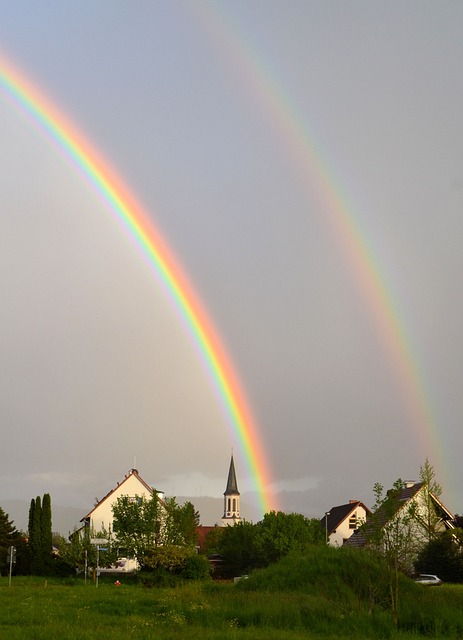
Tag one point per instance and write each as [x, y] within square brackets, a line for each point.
[320, 595]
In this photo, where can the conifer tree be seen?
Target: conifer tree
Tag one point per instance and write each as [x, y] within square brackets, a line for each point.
[35, 540]
[31, 516]
[46, 532]
[28, 559]
[9, 536]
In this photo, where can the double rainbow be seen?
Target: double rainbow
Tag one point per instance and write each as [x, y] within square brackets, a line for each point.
[125, 207]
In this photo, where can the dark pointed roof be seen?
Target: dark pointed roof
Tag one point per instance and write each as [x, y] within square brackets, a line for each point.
[337, 515]
[232, 485]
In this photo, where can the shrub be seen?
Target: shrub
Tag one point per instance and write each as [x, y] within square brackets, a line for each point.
[443, 557]
[196, 568]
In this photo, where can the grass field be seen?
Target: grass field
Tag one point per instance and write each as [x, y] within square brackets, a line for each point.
[285, 601]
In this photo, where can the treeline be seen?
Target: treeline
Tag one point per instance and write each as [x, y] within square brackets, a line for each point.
[247, 546]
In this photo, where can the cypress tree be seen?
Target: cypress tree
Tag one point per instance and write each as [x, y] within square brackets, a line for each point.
[31, 516]
[35, 540]
[46, 533]
[28, 555]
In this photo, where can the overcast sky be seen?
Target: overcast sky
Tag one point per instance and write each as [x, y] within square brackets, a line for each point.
[231, 122]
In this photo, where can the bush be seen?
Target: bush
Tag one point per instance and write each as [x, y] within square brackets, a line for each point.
[442, 557]
[196, 568]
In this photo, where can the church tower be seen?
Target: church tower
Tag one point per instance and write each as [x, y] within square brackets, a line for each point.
[231, 499]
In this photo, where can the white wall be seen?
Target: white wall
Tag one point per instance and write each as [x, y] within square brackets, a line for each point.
[344, 531]
[102, 516]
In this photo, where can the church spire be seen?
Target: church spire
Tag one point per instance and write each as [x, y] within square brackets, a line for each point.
[231, 503]
[232, 485]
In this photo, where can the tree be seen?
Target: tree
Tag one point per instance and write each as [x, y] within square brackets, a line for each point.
[46, 532]
[239, 548]
[425, 513]
[137, 524]
[82, 554]
[186, 521]
[146, 528]
[35, 539]
[279, 533]
[443, 556]
[179, 524]
[247, 546]
[9, 536]
[390, 531]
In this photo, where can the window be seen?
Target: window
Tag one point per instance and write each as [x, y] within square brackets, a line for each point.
[353, 521]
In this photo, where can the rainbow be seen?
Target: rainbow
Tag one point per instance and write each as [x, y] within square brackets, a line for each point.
[124, 206]
[320, 179]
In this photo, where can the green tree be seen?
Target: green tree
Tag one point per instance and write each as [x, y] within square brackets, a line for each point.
[9, 536]
[29, 534]
[185, 521]
[279, 533]
[35, 540]
[138, 525]
[426, 512]
[390, 531]
[247, 546]
[31, 516]
[81, 554]
[238, 545]
[443, 556]
[46, 533]
[156, 533]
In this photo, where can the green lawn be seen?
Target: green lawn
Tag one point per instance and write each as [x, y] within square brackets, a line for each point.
[60, 610]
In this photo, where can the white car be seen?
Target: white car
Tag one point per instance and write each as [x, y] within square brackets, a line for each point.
[428, 579]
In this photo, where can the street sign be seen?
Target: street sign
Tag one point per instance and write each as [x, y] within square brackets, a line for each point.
[11, 554]
[11, 559]
[98, 541]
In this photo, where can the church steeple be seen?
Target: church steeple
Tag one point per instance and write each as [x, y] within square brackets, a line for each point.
[231, 502]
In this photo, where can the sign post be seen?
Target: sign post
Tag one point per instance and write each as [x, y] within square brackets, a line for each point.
[98, 542]
[11, 559]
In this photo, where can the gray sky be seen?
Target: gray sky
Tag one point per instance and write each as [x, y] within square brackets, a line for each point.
[230, 121]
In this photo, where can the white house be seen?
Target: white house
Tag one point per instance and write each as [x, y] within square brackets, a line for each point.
[412, 504]
[340, 522]
[101, 516]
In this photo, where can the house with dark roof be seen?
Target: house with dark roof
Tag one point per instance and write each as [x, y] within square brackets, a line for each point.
[408, 508]
[340, 522]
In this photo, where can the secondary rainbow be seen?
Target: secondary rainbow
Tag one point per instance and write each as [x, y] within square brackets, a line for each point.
[320, 178]
[124, 205]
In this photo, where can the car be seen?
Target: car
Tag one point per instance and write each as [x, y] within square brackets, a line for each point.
[428, 579]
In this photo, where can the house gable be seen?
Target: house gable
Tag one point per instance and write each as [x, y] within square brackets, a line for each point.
[101, 516]
[412, 494]
[340, 522]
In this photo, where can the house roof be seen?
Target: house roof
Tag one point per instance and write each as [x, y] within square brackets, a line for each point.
[132, 472]
[338, 514]
[409, 491]
[202, 531]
